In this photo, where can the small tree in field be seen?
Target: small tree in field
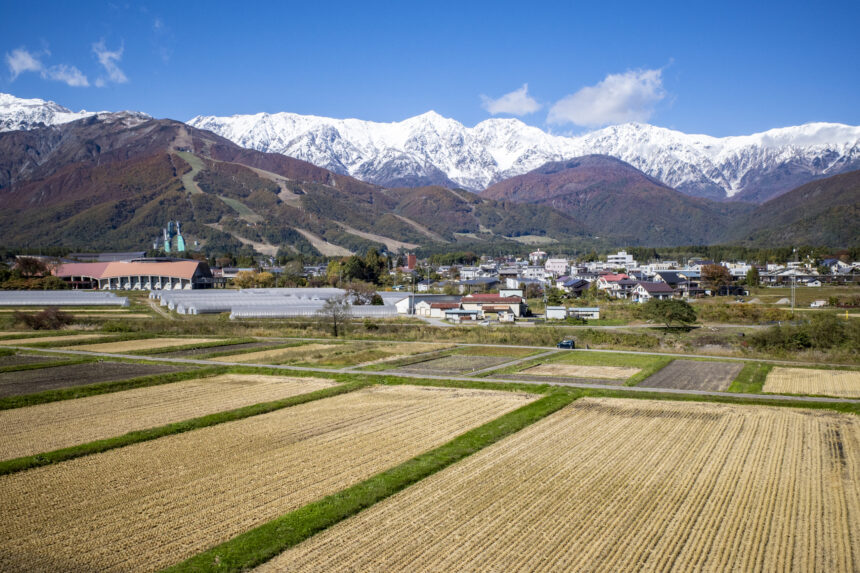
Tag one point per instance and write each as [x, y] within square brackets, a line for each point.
[669, 311]
[335, 311]
[716, 277]
[753, 277]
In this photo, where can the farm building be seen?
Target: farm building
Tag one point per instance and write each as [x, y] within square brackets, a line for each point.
[146, 274]
[493, 303]
[587, 312]
[556, 313]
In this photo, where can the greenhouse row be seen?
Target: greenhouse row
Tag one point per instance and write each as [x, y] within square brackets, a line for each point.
[262, 303]
[60, 298]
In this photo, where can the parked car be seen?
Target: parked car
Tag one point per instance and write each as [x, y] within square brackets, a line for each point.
[567, 344]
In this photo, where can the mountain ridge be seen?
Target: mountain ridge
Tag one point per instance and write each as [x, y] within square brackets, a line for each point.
[750, 167]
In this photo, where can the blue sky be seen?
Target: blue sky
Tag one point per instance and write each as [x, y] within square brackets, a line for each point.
[721, 68]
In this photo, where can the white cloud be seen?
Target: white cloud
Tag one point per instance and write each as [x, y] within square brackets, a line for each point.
[69, 75]
[109, 61]
[619, 98]
[518, 102]
[21, 60]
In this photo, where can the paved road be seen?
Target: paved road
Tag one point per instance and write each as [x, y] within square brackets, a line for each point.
[439, 377]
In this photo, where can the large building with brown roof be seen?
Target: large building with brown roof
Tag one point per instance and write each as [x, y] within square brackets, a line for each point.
[140, 274]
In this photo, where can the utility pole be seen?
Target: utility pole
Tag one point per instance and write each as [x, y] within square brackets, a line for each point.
[793, 287]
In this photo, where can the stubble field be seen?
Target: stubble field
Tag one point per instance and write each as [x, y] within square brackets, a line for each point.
[47, 427]
[39, 339]
[137, 345]
[148, 505]
[840, 383]
[580, 371]
[623, 485]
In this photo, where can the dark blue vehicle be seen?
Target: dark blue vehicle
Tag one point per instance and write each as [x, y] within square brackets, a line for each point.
[568, 344]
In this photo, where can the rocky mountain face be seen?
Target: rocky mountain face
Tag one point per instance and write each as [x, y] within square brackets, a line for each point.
[431, 149]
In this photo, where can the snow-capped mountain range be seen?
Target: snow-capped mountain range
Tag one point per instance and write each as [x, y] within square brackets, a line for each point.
[430, 148]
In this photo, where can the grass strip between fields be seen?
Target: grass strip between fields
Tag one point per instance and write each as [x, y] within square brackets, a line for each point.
[268, 540]
[73, 392]
[98, 446]
[750, 380]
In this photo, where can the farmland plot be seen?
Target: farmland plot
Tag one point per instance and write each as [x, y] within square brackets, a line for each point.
[841, 383]
[623, 485]
[53, 377]
[38, 339]
[21, 359]
[695, 375]
[276, 355]
[136, 345]
[146, 506]
[581, 371]
[56, 425]
[453, 365]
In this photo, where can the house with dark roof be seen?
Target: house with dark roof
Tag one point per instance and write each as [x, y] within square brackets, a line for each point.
[645, 291]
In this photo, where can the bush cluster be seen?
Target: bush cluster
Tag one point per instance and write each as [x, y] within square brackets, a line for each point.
[821, 332]
[51, 318]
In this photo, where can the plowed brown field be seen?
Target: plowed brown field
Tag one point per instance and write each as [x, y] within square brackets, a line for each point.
[146, 506]
[623, 485]
[56, 425]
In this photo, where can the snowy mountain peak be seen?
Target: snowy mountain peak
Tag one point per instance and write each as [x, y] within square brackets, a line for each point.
[20, 114]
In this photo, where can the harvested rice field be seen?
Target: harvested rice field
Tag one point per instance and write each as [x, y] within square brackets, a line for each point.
[839, 383]
[580, 371]
[394, 352]
[695, 375]
[47, 427]
[60, 338]
[623, 485]
[137, 345]
[453, 364]
[227, 348]
[276, 355]
[152, 504]
[508, 352]
[53, 377]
